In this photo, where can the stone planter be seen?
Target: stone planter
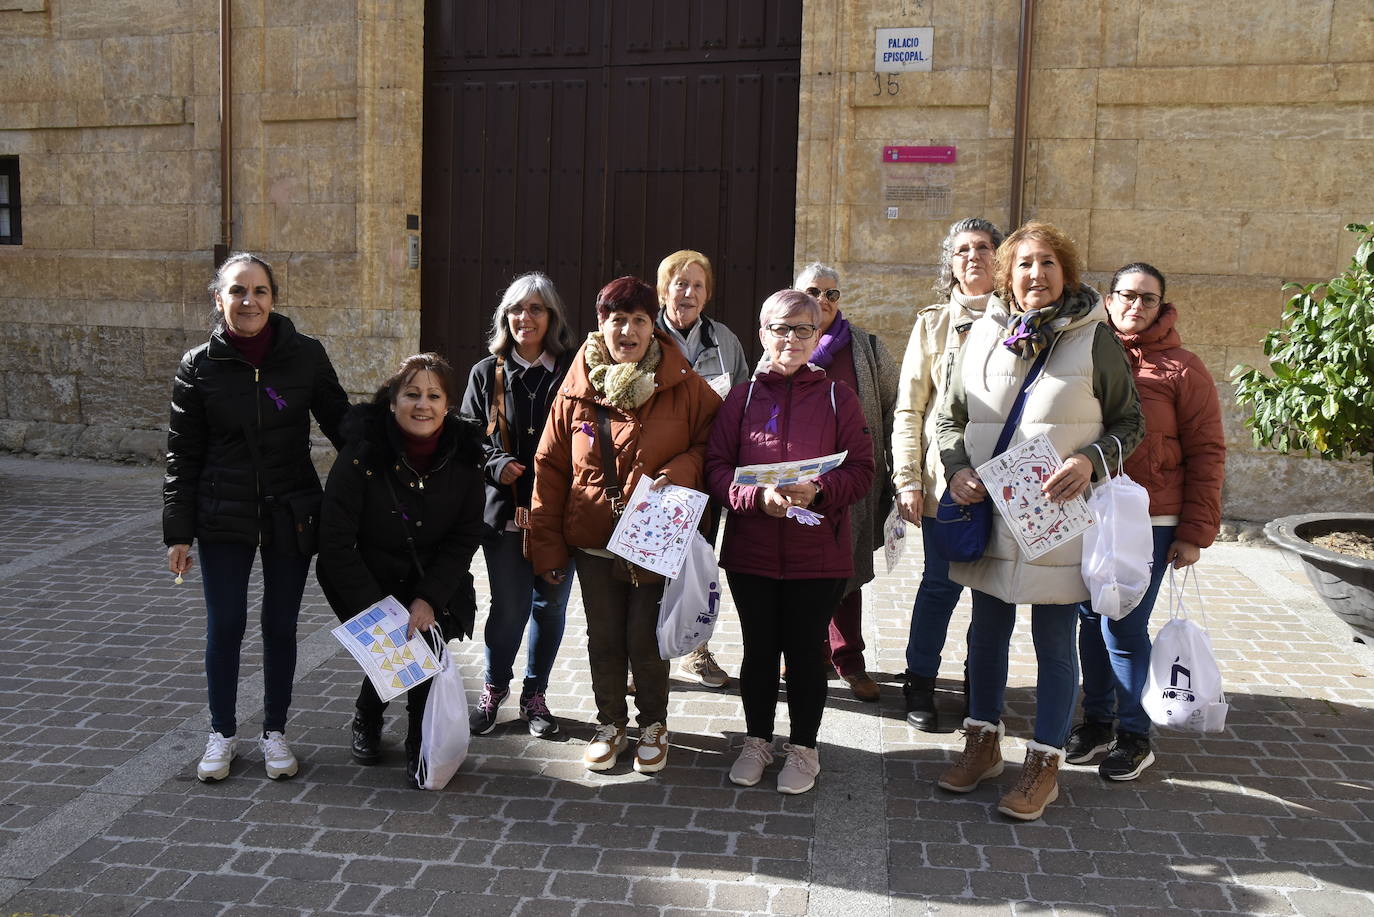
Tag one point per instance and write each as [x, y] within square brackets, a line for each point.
[1345, 583]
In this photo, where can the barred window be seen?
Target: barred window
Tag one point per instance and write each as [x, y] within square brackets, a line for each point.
[10, 233]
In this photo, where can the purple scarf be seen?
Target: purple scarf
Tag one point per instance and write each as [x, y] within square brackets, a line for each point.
[834, 340]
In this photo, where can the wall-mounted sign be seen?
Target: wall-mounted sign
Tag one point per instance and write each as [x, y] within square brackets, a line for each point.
[919, 153]
[902, 50]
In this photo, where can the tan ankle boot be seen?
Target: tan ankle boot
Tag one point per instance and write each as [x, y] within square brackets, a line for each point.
[1038, 785]
[981, 759]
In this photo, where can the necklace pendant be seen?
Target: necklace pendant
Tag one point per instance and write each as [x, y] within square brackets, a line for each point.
[529, 431]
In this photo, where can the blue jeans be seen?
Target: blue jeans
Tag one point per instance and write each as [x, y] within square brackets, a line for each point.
[935, 601]
[224, 570]
[518, 597]
[1116, 654]
[1056, 681]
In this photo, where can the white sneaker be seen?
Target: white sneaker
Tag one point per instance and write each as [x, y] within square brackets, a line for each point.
[756, 755]
[651, 754]
[605, 747]
[799, 771]
[276, 754]
[219, 753]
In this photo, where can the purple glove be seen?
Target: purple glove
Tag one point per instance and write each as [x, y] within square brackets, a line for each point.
[804, 516]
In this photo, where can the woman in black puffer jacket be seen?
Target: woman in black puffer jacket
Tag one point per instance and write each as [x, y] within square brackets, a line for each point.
[403, 517]
[240, 479]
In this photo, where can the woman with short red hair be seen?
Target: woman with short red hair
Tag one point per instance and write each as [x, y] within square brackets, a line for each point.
[630, 406]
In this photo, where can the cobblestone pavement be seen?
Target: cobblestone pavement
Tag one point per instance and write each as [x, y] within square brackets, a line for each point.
[102, 720]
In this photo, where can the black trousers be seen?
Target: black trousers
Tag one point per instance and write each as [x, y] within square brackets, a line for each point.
[787, 619]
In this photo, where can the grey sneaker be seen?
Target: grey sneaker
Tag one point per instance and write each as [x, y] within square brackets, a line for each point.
[799, 771]
[700, 666]
[219, 754]
[756, 755]
[276, 754]
[1087, 741]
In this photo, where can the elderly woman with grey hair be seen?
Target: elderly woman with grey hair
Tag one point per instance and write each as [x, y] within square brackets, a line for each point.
[966, 281]
[510, 392]
[856, 358]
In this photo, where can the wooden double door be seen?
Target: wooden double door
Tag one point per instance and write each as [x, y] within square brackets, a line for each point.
[589, 138]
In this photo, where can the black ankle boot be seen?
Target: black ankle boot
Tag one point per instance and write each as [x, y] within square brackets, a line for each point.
[367, 738]
[412, 758]
[920, 703]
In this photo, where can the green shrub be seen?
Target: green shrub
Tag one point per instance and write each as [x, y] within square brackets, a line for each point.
[1319, 395]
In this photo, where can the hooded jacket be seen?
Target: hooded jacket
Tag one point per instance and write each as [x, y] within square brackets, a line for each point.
[364, 554]
[214, 488]
[1182, 461]
[665, 435]
[779, 418]
[1083, 396]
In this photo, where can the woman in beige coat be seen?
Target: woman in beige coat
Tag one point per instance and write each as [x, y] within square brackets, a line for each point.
[966, 265]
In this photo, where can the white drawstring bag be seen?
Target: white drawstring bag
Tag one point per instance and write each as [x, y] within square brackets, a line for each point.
[1184, 687]
[691, 601]
[1118, 551]
[445, 733]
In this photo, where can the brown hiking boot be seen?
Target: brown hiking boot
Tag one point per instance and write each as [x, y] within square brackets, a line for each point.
[981, 759]
[1038, 785]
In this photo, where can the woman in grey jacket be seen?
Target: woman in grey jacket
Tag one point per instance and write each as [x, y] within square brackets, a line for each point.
[685, 285]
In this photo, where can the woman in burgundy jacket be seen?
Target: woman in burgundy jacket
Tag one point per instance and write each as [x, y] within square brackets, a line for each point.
[1181, 463]
[787, 572]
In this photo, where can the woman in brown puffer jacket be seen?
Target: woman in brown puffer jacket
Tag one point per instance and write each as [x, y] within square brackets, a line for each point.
[1181, 463]
[629, 393]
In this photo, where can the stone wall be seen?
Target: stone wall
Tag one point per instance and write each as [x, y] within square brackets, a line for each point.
[1227, 143]
[113, 109]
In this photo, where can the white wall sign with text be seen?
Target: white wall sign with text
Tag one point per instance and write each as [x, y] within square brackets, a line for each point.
[902, 50]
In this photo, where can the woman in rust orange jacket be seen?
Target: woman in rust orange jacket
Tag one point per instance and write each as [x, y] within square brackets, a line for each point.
[1181, 462]
[632, 395]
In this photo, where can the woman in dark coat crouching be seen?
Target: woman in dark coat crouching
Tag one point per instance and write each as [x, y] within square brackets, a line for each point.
[403, 517]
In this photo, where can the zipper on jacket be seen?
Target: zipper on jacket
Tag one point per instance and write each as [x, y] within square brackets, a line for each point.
[782, 523]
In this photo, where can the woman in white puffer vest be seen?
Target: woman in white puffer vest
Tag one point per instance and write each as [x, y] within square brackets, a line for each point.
[1083, 397]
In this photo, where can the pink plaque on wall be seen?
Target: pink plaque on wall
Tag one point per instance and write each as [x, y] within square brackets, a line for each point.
[918, 153]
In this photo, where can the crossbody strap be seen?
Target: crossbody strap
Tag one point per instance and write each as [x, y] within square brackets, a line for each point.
[614, 493]
[405, 526]
[1014, 417]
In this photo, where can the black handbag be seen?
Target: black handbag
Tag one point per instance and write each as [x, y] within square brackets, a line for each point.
[962, 532]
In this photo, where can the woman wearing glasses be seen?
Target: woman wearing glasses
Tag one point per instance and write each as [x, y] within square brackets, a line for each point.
[1044, 332]
[855, 358]
[1181, 463]
[966, 281]
[511, 392]
[787, 548]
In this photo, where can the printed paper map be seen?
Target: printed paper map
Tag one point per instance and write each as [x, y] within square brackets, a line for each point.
[656, 528]
[774, 474]
[377, 639]
[1014, 479]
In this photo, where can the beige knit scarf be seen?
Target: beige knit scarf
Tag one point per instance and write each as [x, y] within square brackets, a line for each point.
[624, 385]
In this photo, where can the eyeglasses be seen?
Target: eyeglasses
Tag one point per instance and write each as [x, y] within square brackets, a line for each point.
[831, 294]
[802, 332]
[977, 251]
[1149, 300]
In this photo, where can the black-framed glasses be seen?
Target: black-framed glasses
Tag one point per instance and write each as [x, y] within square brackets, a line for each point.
[801, 332]
[832, 294]
[1150, 300]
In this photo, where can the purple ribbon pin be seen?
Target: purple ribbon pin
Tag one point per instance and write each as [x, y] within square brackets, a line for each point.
[278, 400]
[772, 425]
[588, 429]
[1023, 333]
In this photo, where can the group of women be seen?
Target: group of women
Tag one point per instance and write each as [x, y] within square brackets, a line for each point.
[535, 460]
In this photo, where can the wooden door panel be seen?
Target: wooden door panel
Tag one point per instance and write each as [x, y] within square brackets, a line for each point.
[589, 139]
